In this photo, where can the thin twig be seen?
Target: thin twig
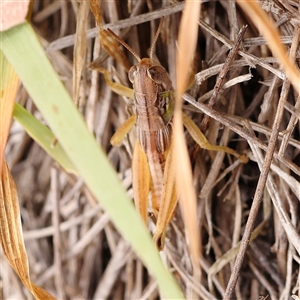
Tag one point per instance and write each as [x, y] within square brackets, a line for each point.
[293, 120]
[252, 60]
[59, 278]
[259, 192]
[133, 20]
[222, 74]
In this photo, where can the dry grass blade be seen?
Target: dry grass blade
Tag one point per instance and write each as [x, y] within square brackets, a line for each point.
[268, 29]
[134, 20]
[79, 48]
[186, 44]
[283, 215]
[231, 254]
[11, 237]
[111, 46]
[9, 82]
[220, 80]
[108, 43]
[273, 36]
[96, 10]
[184, 182]
[293, 119]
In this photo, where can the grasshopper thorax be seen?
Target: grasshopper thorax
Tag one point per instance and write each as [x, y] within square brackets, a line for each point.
[152, 89]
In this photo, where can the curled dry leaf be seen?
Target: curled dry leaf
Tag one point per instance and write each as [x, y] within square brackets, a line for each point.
[79, 48]
[11, 237]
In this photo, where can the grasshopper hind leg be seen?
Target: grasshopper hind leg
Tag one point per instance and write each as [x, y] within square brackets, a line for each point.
[140, 180]
[201, 140]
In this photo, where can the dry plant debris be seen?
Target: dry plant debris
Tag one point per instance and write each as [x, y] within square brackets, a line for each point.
[73, 249]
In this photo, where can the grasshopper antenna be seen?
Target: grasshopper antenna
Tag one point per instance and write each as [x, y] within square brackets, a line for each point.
[124, 44]
[156, 37]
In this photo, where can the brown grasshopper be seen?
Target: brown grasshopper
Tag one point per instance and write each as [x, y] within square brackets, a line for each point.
[152, 165]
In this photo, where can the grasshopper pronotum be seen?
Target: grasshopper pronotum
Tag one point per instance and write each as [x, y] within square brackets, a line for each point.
[152, 167]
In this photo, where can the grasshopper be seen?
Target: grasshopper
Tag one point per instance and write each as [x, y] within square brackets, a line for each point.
[152, 165]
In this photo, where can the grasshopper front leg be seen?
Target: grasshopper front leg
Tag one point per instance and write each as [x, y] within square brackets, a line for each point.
[121, 90]
[115, 87]
[122, 131]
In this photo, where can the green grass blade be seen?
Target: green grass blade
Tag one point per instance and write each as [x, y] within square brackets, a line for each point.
[43, 136]
[23, 50]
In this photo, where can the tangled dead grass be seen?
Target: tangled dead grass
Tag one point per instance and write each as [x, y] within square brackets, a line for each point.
[90, 259]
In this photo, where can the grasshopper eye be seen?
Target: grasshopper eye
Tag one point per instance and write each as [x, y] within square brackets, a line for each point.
[132, 73]
[157, 74]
